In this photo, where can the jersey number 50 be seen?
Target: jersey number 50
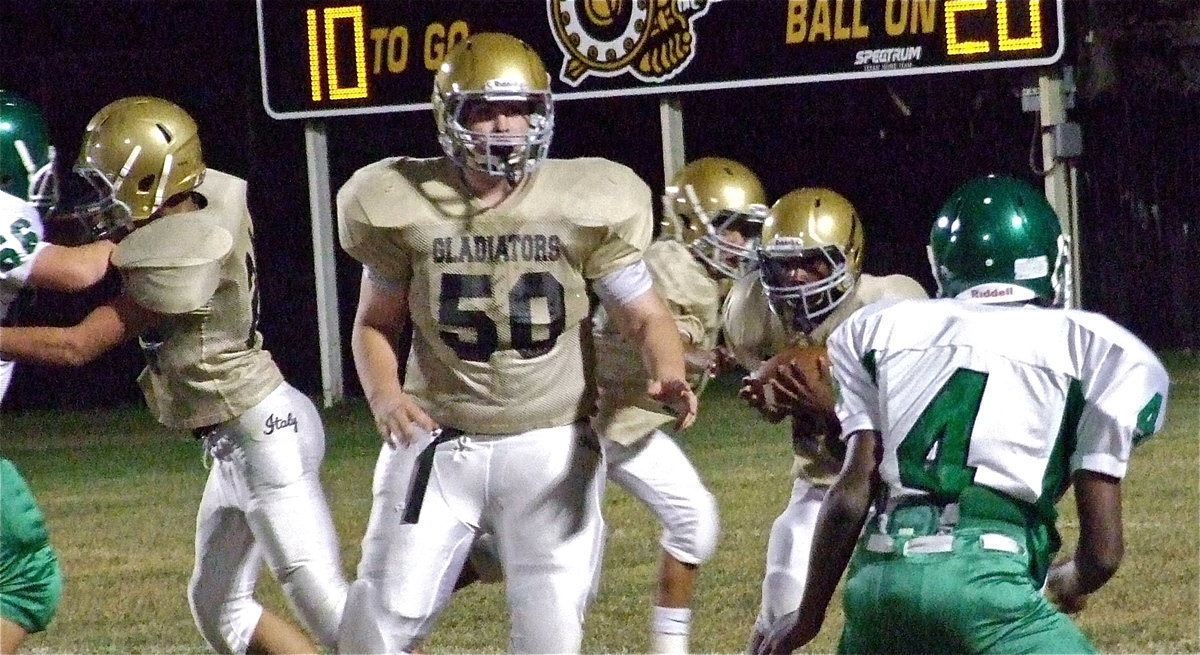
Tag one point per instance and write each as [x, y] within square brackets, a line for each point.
[529, 287]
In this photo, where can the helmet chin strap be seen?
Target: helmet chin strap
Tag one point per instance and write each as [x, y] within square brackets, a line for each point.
[511, 174]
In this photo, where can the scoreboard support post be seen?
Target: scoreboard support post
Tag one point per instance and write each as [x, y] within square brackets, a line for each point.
[1061, 172]
[320, 210]
[670, 115]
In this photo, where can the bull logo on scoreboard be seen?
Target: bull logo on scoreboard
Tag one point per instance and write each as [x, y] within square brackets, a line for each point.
[653, 40]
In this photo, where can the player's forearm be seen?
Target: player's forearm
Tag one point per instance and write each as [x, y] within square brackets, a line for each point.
[103, 329]
[54, 346]
[376, 362]
[838, 526]
[662, 349]
[840, 523]
[379, 320]
[646, 322]
[1101, 544]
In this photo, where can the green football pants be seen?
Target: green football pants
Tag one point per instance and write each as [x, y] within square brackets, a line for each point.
[973, 598]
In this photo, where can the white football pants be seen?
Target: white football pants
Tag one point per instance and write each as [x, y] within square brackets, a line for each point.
[263, 500]
[787, 553]
[538, 493]
[657, 472]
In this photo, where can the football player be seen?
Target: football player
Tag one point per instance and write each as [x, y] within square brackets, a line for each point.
[809, 280]
[30, 579]
[490, 251]
[713, 213]
[971, 415]
[190, 296]
[716, 207]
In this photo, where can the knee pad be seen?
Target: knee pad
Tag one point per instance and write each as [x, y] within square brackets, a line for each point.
[372, 625]
[318, 598]
[226, 624]
[692, 537]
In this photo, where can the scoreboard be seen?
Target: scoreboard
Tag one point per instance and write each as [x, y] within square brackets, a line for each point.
[338, 57]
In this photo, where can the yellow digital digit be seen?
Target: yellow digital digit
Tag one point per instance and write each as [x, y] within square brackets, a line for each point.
[355, 14]
[314, 54]
[1031, 42]
[953, 45]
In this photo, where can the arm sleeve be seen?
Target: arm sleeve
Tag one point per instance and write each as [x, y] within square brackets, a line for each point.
[854, 374]
[380, 250]
[623, 285]
[1125, 394]
[628, 234]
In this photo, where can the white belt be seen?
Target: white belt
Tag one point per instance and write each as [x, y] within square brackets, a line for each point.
[939, 543]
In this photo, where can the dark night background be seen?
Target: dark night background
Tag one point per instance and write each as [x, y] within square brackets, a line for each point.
[1137, 64]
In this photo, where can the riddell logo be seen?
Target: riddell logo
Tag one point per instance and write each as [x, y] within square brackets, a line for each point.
[991, 292]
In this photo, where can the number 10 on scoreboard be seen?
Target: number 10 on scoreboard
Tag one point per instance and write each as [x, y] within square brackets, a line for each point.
[327, 24]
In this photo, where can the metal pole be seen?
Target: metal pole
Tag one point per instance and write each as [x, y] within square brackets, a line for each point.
[670, 114]
[320, 208]
[1059, 173]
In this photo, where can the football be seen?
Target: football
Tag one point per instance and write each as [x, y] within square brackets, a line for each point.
[799, 372]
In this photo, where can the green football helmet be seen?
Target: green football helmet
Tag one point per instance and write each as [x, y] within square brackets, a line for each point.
[997, 240]
[26, 156]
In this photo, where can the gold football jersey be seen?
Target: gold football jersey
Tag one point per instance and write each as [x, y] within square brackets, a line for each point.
[754, 334]
[497, 296]
[625, 413]
[204, 362]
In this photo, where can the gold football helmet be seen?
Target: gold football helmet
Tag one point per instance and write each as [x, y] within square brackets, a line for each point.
[811, 255]
[717, 207]
[137, 153]
[493, 67]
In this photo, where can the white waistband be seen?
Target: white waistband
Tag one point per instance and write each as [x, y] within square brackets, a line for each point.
[939, 543]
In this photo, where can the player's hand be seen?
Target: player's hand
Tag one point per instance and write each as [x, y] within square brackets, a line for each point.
[790, 631]
[678, 398]
[761, 397]
[800, 390]
[1062, 587]
[400, 420]
[723, 360]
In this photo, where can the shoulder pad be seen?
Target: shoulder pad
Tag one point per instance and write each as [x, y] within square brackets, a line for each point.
[374, 192]
[598, 190]
[896, 286]
[173, 265]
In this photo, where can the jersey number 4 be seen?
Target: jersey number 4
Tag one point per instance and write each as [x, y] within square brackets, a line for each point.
[933, 455]
[527, 337]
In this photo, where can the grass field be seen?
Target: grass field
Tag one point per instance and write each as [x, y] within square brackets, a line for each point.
[119, 495]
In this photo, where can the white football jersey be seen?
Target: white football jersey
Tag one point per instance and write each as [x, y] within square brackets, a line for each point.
[497, 296]
[20, 242]
[1013, 399]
